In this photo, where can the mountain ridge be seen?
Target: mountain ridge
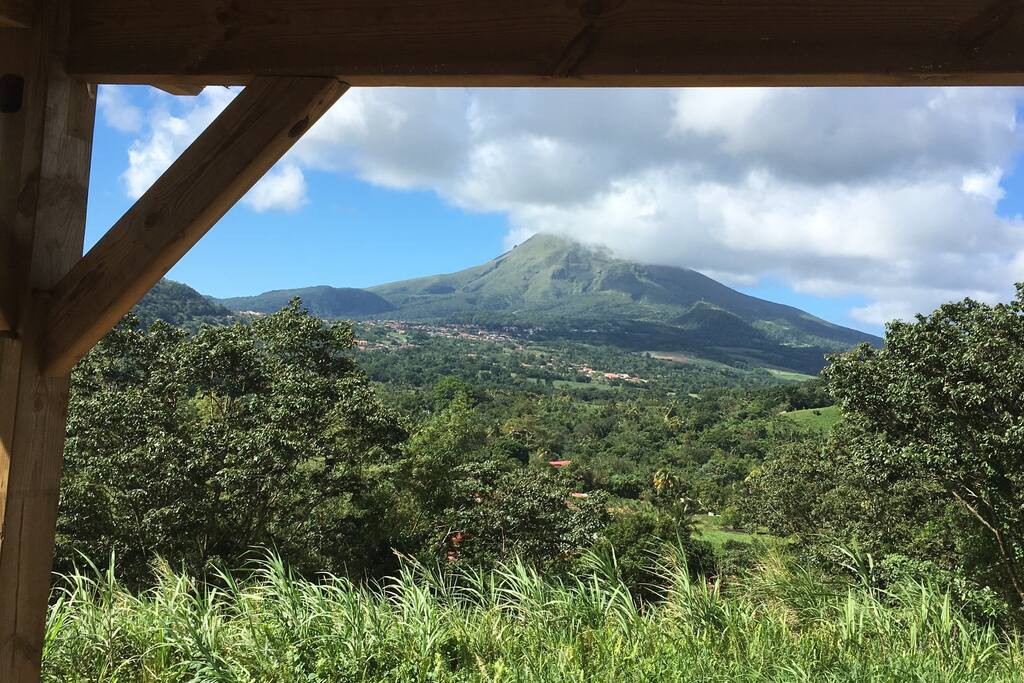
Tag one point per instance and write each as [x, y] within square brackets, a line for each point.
[322, 300]
[623, 287]
[572, 291]
[178, 304]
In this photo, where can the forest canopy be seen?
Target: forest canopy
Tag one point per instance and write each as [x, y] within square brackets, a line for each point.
[200, 447]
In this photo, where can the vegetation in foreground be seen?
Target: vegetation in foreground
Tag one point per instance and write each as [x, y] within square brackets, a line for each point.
[512, 624]
[198, 446]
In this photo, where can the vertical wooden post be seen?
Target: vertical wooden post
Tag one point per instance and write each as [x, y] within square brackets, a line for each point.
[45, 151]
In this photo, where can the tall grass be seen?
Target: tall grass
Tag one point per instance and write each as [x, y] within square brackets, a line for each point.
[511, 624]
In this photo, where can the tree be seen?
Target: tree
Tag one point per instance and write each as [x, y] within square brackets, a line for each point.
[522, 513]
[829, 494]
[946, 396]
[199, 447]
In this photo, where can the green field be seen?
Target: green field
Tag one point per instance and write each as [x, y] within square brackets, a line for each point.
[714, 531]
[790, 376]
[821, 419]
[687, 359]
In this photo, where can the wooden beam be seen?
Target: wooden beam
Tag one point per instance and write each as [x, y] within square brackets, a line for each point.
[8, 295]
[47, 149]
[549, 43]
[179, 89]
[15, 14]
[14, 50]
[9, 268]
[227, 159]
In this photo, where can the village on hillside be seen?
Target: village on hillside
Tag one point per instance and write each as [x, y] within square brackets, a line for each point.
[396, 335]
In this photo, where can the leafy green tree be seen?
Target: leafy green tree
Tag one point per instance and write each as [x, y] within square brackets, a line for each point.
[448, 389]
[946, 398]
[433, 461]
[830, 497]
[199, 447]
[527, 514]
[510, 448]
[830, 493]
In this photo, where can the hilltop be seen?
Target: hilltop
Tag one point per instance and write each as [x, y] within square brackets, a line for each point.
[324, 301]
[551, 279]
[179, 304]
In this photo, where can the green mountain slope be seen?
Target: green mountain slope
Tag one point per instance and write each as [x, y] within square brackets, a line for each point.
[179, 304]
[570, 291]
[573, 290]
[324, 301]
[552, 277]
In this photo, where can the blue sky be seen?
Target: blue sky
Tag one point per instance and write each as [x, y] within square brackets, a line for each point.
[349, 234]
[776, 193]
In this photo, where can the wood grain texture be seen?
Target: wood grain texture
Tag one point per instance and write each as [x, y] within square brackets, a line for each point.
[8, 279]
[179, 89]
[224, 162]
[15, 14]
[10, 369]
[15, 48]
[51, 175]
[554, 42]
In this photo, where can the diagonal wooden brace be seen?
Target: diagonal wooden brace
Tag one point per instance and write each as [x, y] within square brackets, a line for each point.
[224, 162]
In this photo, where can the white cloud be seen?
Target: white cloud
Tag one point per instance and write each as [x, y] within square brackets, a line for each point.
[174, 124]
[890, 194]
[396, 138]
[886, 193]
[984, 184]
[283, 189]
[169, 134]
[118, 110]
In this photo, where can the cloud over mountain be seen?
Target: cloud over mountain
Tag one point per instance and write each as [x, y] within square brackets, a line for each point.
[887, 193]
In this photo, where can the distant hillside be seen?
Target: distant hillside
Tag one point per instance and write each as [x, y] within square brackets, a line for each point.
[556, 279]
[323, 301]
[179, 304]
[576, 292]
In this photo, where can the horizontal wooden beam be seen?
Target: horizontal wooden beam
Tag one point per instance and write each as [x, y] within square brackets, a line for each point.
[15, 14]
[553, 43]
[180, 89]
[224, 162]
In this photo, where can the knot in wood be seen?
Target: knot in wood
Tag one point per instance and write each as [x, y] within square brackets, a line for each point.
[299, 128]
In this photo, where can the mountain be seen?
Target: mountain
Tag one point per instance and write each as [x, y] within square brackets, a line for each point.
[324, 301]
[179, 304]
[557, 279]
[570, 291]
